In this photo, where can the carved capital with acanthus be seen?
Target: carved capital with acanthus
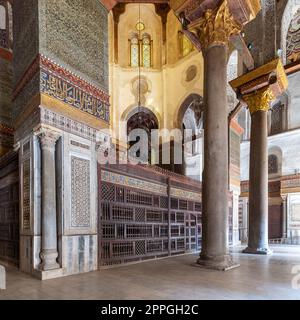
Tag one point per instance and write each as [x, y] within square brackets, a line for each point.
[261, 86]
[48, 138]
[217, 26]
[259, 100]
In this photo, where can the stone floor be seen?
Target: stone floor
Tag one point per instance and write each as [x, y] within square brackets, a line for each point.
[259, 277]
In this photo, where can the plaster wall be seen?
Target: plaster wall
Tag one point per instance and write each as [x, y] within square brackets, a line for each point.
[294, 101]
[287, 142]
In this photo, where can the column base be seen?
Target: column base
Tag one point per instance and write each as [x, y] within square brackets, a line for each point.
[2, 278]
[48, 257]
[261, 251]
[223, 263]
[49, 274]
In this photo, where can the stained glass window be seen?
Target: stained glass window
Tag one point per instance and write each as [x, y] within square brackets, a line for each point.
[276, 119]
[273, 164]
[134, 52]
[141, 51]
[146, 52]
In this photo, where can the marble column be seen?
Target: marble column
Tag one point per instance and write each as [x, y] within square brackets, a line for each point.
[49, 251]
[259, 104]
[284, 216]
[217, 27]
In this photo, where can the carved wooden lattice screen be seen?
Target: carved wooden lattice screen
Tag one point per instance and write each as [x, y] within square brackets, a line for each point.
[136, 224]
[9, 209]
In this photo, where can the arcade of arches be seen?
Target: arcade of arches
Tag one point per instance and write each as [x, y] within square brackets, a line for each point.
[79, 77]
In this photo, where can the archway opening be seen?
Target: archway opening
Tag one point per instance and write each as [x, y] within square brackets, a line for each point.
[191, 122]
[139, 127]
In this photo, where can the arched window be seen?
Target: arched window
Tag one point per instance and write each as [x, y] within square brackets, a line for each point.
[134, 51]
[141, 51]
[145, 119]
[273, 164]
[3, 31]
[146, 51]
[276, 118]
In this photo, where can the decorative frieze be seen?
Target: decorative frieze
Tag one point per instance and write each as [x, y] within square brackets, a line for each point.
[127, 181]
[61, 122]
[66, 124]
[291, 183]
[60, 89]
[79, 145]
[59, 83]
[185, 194]
[80, 192]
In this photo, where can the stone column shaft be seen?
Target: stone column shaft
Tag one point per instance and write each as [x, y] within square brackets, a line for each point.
[215, 30]
[284, 216]
[49, 251]
[215, 178]
[258, 89]
[258, 193]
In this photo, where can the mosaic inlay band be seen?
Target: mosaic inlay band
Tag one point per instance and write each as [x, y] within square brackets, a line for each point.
[112, 177]
[71, 95]
[180, 193]
[59, 83]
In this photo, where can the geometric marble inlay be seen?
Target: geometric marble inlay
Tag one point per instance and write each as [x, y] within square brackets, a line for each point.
[80, 191]
[26, 194]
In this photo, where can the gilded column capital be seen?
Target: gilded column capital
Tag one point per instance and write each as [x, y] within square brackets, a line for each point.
[259, 100]
[216, 26]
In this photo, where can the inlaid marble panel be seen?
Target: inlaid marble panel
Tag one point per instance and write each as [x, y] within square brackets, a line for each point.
[80, 192]
[26, 194]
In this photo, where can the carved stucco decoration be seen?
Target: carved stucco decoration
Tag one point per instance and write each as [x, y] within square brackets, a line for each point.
[216, 26]
[140, 87]
[260, 100]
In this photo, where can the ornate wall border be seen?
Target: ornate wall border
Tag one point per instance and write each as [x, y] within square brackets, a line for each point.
[65, 86]
[111, 177]
[180, 193]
